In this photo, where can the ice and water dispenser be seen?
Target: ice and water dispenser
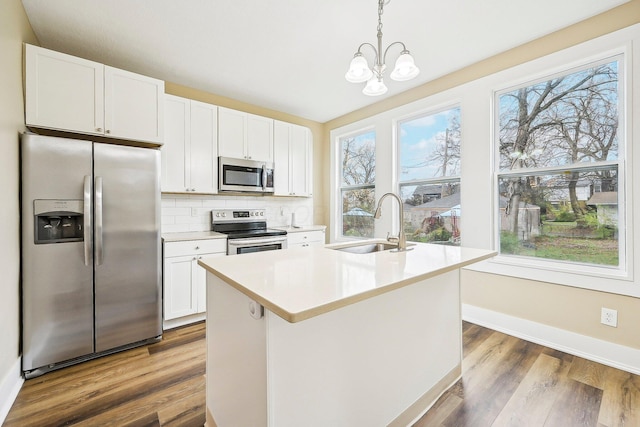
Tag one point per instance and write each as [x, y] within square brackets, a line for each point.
[58, 221]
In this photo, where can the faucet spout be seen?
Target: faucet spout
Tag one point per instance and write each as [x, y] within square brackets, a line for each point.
[402, 238]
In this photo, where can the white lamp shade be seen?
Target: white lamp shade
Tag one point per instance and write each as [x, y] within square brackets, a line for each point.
[359, 70]
[375, 87]
[405, 68]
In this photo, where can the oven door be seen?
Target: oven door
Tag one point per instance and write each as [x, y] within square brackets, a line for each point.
[245, 246]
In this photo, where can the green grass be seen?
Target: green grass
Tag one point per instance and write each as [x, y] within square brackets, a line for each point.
[590, 251]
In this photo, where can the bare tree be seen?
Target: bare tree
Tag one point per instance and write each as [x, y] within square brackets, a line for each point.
[358, 162]
[587, 123]
[530, 120]
[358, 169]
[447, 153]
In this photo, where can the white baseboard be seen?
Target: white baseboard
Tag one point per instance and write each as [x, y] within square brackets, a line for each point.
[607, 353]
[9, 389]
[182, 321]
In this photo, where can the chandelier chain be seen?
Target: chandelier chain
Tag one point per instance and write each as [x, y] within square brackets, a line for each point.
[380, 12]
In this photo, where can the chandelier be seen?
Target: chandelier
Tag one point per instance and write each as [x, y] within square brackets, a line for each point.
[359, 70]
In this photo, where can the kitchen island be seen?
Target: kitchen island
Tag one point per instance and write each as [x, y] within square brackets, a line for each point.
[325, 337]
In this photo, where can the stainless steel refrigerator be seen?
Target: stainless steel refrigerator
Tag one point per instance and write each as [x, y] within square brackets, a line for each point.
[91, 250]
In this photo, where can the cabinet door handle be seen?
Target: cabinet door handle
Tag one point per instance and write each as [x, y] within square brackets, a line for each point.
[98, 129]
[194, 258]
[107, 131]
[197, 247]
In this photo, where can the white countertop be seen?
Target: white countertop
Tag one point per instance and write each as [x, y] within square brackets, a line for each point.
[192, 235]
[300, 228]
[300, 283]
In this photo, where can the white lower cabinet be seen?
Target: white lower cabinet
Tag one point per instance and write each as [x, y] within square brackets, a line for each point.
[304, 239]
[185, 281]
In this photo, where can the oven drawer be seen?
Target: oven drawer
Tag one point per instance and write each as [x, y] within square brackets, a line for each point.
[192, 247]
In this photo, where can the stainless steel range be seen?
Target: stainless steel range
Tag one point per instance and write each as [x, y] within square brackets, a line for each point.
[247, 231]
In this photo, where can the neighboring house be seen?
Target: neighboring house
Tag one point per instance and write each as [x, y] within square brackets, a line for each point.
[558, 195]
[427, 193]
[528, 219]
[417, 215]
[606, 203]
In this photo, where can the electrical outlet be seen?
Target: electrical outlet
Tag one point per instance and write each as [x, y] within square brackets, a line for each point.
[609, 317]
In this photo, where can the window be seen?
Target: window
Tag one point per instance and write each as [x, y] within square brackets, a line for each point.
[559, 177]
[357, 183]
[429, 176]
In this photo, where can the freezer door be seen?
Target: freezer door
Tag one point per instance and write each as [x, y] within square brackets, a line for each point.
[57, 276]
[128, 292]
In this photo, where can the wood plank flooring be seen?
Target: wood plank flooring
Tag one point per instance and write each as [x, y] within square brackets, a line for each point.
[161, 384]
[506, 382]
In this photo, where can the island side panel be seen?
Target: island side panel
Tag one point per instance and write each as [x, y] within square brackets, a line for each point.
[367, 363]
[236, 389]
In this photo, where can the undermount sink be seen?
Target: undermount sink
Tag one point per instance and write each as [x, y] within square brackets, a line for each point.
[367, 248]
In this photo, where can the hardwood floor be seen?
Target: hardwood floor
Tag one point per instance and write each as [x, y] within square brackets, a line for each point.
[510, 382]
[506, 382]
[161, 384]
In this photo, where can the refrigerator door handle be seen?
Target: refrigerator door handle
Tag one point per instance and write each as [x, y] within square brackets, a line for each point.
[87, 220]
[98, 219]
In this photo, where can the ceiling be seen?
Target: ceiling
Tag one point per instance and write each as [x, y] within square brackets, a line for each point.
[291, 55]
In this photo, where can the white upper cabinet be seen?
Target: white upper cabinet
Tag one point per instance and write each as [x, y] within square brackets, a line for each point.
[204, 147]
[244, 136]
[63, 92]
[72, 94]
[292, 160]
[133, 106]
[259, 138]
[175, 151]
[189, 154]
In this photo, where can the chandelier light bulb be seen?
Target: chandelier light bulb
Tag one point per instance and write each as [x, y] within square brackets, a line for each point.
[405, 68]
[359, 70]
[375, 86]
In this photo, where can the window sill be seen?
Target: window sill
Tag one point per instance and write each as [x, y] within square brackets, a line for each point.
[603, 279]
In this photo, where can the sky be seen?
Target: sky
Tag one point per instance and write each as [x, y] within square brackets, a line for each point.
[419, 138]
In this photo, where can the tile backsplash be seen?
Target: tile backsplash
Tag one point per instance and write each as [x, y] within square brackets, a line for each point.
[187, 212]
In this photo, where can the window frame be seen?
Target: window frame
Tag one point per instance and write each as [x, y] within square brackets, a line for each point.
[524, 265]
[478, 185]
[339, 184]
[445, 179]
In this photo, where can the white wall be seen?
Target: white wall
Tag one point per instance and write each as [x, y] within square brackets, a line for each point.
[14, 29]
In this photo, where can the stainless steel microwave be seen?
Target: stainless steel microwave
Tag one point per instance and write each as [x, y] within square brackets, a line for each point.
[241, 175]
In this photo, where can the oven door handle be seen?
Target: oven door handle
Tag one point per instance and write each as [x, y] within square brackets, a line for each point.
[245, 242]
